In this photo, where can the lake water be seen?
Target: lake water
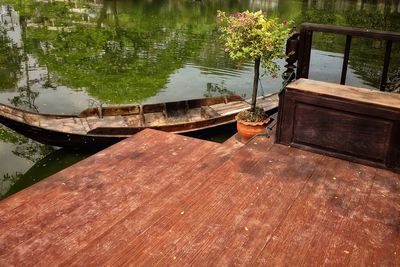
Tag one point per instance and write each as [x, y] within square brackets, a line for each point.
[64, 56]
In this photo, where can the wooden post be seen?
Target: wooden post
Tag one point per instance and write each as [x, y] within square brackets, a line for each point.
[255, 83]
[386, 63]
[345, 59]
[292, 47]
[303, 63]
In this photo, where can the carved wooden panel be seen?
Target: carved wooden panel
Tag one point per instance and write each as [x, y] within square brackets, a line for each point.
[326, 123]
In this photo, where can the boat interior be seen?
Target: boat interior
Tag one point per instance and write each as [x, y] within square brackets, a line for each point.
[151, 115]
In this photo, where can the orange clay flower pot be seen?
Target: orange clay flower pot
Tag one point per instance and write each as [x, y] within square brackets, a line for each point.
[247, 130]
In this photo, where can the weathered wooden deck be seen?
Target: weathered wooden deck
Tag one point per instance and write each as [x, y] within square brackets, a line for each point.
[165, 199]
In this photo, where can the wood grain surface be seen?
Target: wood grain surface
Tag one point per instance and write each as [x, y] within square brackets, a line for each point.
[163, 199]
[355, 124]
[352, 93]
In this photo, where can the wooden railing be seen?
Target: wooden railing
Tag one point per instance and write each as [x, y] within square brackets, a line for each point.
[298, 48]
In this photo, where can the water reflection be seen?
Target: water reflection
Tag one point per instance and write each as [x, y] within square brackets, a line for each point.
[10, 56]
[49, 163]
[129, 52]
[20, 151]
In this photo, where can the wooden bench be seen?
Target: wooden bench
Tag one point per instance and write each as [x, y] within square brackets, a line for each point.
[347, 122]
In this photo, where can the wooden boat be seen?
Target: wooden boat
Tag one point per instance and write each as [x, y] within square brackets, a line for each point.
[104, 126]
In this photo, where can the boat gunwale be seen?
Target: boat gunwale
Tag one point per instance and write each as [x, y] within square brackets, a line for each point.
[59, 138]
[146, 107]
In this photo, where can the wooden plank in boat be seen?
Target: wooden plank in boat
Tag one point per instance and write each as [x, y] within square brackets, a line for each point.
[16, 113]
[134, 120]
[222, 108]
[151, 108]
[10, 113]
[194, 114]
[179, 117]
[208, 112]
[67, 121]
[75, 131]
[231, 108]
[121, 110]
[67, 125]
[269, 102]
[85, 124]
[266, 102]
[177, 108]
[108, 121]
[78, 129]
[154, 119]
[32, 119]
[234, 111]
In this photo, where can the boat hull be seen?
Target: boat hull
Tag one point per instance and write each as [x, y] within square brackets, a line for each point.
[94, 129]
[60, 139]
[103, 137]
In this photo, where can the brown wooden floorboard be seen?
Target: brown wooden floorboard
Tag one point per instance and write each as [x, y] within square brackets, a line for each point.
[223, 184]
[49, 189]
[164, 199]
[247, 223]
[68, 217]
[153, 216]
[311, 222]
[233, 141]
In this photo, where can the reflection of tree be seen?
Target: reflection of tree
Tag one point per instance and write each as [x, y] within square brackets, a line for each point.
[10, 58]
[47, 165]
[14, 60]
[9, 64]
[126, 58]
[26, 98]
[116, 63]
[126, 51]
[31, 150]
[24, 147]
[214, 89]
[7, 181]
[121, 51]
[363, 14]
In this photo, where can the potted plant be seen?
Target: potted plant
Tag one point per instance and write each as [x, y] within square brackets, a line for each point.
[253, 36]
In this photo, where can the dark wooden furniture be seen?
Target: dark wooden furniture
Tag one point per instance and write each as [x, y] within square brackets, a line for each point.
[352, 123]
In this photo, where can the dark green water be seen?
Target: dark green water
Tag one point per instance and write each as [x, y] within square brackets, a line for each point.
[61, 57]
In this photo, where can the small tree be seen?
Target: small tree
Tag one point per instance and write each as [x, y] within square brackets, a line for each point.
[253, 36]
